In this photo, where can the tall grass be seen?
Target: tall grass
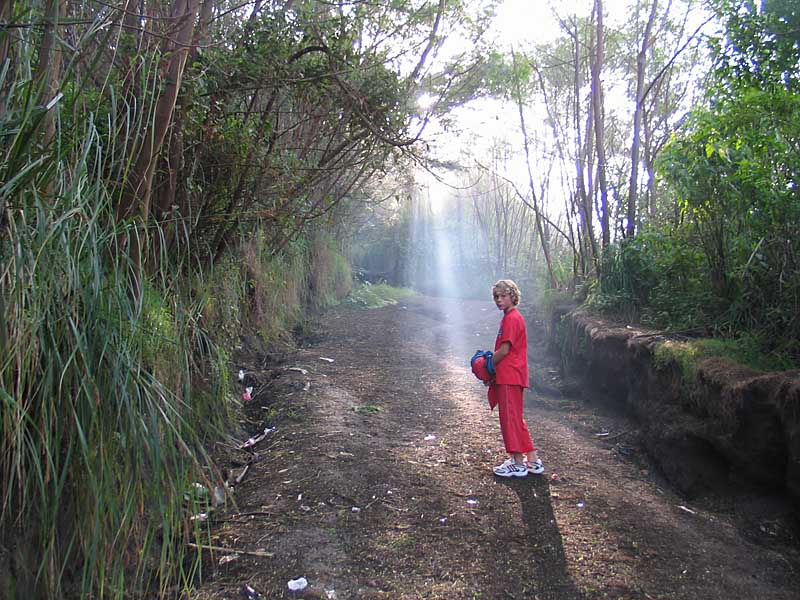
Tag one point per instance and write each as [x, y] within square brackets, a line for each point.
[100, 415]
[330, 277]
[273, 288]
[258, 295]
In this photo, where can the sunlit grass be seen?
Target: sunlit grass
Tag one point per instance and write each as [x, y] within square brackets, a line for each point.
[688, 354]
[373, 296]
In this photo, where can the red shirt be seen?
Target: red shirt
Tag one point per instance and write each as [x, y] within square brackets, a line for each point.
[513, 369]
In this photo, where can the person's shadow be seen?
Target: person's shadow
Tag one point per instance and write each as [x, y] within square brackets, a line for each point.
[544, 562]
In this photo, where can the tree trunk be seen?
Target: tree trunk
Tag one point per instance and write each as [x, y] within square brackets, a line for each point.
[48, 71]
[6, 14]
[641, 63]
[648, 165]
[138, 195]
[169, 197]
[538, 217]
[582, 200]
[552, 120]
[599, 121]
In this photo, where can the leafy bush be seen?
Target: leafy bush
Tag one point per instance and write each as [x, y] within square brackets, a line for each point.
[733, 169]
[657, 278]
[662, 279]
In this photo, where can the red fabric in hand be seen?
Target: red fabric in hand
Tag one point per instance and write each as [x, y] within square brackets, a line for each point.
[480, 370]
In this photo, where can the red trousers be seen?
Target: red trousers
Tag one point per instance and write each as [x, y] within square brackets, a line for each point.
[508, 399]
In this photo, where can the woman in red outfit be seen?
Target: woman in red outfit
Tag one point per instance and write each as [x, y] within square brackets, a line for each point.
[511, 378]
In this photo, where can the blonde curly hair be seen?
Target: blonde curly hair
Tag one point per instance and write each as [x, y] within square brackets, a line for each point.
[507, 287]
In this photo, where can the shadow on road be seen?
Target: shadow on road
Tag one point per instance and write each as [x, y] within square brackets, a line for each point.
[545, 565]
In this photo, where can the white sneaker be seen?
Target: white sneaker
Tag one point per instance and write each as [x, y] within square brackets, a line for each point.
[511, 469]
[536, 467]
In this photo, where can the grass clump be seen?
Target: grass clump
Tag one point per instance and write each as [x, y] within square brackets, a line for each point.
[99, 418]
[367, 409]
[682, 354]
[367, 295]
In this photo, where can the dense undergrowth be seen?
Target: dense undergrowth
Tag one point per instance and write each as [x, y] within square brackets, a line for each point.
[109, 398]
[663, 280]
[118, 322]
[112, 384]
[721, 259]
[104, 408]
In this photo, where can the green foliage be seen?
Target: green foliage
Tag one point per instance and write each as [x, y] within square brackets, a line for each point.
[222, 294]
[759, 49]
[294, 117]
[254, 292]
[330, 278]
[663, 279]
[158, 333]
[341, 279]
[658, 278]
[101, 438]
[731, 267]
[745, 350]
[367, 295]
[552, 299]
[110, 373]
[275, 289]
[735, 171]
[103, 407]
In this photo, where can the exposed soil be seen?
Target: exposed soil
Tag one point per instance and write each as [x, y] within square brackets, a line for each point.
[377, 483]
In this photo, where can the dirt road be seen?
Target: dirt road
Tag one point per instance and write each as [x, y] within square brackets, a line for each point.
[377, 483]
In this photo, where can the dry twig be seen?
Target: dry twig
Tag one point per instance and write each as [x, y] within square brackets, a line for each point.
[259, 553]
